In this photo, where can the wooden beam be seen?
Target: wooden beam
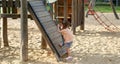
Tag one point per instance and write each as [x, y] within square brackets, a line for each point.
[81, 9]
[65, 9]
[44, 43]
[4, 32]
[0, 27]
[12, 15]
[113, 8]
[73, 16]
[16, 3]
[14, 10]
[24, 32]
[76, 15]
[4, 27]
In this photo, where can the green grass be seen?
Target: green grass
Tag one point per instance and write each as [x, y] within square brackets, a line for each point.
[105, 9]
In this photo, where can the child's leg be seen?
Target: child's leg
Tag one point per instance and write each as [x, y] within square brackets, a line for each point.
[68, 45]
[69, 58]
[68, 51]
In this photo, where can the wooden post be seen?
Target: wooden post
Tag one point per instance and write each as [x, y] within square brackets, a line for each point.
[65, 10]
[4, 32]
[73, 16]
[54, 11]
[4, 26]
[43, 44]
[114, 11]
[14, 10]
[76, 13]
[81, 9]
[1, 31]
[0, 28]
[24, 32]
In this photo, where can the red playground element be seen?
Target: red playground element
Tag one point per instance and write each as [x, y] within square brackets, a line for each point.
[86, 1]
[91, 12]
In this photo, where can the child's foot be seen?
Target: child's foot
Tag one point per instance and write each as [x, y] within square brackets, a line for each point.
[69, 58]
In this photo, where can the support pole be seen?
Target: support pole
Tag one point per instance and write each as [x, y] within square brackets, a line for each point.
[0, 28]
[44, 43]
[81, 14]
[113, 8]
[65, 10]
[4, 27]
[0, 33]
[77, 14]
[24, 32]
[73, 16]
[4, 32]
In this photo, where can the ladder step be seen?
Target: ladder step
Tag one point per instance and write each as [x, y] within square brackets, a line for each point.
[39, 8]
[36, 3]
[42, 14]
[45, 19]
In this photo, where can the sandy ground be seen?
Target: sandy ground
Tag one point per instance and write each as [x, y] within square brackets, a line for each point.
[95, 45]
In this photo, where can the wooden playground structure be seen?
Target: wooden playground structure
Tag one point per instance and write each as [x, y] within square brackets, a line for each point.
[73, 12]
[9, 9]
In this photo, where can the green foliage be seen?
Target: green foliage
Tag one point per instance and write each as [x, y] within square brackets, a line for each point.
[106, 9]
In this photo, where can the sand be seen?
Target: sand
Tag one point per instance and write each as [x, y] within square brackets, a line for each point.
[95, 45]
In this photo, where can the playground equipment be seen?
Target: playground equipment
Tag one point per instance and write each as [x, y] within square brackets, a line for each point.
[71, 10]
[43, 19]
[44, 22]
[47, 26]
[8, 11]
[112, 6]
[106, 24]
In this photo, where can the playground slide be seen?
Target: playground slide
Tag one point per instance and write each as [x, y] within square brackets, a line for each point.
[47, 27]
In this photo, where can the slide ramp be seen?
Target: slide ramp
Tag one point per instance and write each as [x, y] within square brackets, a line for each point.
[47, 27]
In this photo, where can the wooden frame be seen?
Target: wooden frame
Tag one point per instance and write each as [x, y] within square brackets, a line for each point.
[71, 10]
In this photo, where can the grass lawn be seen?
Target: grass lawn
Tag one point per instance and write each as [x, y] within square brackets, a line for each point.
[105, 9]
